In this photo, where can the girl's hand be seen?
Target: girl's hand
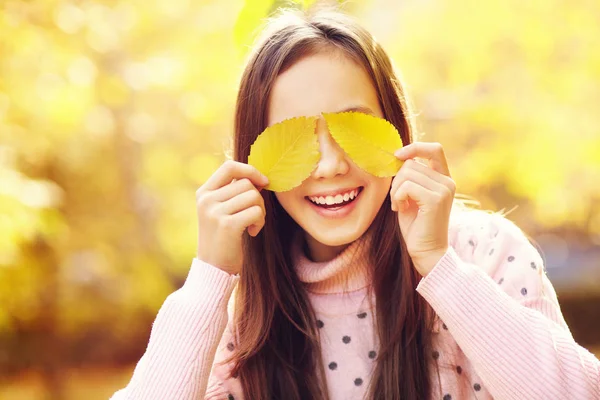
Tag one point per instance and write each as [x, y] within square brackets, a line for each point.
[227, 204]
[423, 195]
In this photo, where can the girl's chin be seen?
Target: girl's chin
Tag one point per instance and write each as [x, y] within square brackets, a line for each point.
[342, 236]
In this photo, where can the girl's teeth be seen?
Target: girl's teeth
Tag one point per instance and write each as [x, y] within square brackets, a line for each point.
[337, 199]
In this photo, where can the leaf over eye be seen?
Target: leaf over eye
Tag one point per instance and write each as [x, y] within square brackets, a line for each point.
[368, 140]
[286, 152]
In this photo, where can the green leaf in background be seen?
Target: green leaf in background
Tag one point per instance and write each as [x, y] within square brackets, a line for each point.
[307, 3]
[286, 152]
[248, 22]
[369, 141]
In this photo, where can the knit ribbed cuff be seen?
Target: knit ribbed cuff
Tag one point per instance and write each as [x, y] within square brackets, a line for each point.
[203, 275]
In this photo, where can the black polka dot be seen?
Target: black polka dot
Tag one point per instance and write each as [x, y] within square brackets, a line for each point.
[372, 354]
[230, 397]
[447, 397]
[491, 252]
[444, 326]
[435, 354]
[346, 339]
[362, 315]
[320, 324]
[358, 381]
[500, 281]
[511, 258]
[471, 242]
[332, 365]
[533, 265]
[524, 291]
[459, 369]
[230, 346]
[477, 387]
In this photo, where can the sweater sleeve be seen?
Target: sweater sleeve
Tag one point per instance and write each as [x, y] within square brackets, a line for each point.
[491, 291]
[184, 339]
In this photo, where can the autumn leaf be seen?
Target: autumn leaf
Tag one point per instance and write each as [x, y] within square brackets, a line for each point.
[286, 152]
[368, 140]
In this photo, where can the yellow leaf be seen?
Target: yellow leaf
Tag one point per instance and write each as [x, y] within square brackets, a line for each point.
[368, 140]
[286, 152]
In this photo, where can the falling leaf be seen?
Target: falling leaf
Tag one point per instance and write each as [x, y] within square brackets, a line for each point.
[369, 141]
[286, 152]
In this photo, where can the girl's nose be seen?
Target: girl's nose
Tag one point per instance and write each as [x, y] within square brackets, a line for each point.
[333, 159]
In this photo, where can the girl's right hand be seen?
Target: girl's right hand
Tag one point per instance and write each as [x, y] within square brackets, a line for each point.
[228, 203]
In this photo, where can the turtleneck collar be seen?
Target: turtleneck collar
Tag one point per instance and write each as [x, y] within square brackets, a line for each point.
[340, 284]
[347, 272]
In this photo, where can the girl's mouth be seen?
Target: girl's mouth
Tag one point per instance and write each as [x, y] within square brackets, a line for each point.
[340, 205]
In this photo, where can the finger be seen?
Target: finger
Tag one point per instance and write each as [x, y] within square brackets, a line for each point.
[411, 190]
[231, 170]
[408, 173]
[233, 189]
[241, 202]
[431, 151]
[255, 229]
[252, 216]
[434, 175]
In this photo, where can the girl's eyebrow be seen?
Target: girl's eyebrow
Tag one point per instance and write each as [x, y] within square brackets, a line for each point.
[359, 108]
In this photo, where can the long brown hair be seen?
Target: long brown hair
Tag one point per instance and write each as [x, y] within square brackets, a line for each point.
[278, 352]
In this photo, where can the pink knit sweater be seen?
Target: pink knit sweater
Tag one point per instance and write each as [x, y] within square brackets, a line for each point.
[499, 334]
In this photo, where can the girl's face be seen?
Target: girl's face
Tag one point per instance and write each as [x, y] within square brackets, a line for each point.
[329, 83]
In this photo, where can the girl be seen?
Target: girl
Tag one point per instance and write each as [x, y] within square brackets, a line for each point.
[399, 293]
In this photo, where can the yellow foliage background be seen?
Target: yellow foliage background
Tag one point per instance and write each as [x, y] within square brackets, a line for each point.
[113, 112]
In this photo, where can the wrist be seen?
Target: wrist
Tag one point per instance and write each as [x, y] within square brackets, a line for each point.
[424, 263]
[225, 267]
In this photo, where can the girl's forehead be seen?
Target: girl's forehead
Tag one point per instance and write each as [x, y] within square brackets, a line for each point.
[321, 83]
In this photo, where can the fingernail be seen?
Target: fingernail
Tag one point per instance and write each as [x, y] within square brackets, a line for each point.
[400, 152]
[265, 180]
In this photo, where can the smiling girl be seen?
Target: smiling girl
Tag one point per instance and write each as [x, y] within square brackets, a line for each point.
[353, 286]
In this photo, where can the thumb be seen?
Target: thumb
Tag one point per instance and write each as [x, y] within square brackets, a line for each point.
[403, 205]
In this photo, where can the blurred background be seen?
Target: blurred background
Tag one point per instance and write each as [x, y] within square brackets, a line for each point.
[113, 112]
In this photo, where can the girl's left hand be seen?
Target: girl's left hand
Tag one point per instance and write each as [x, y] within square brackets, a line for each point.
[423, 195]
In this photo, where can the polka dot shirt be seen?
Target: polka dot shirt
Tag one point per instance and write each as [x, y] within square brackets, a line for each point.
[498, 333]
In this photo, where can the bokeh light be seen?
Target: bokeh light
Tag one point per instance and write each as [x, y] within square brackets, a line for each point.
[112, 113]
